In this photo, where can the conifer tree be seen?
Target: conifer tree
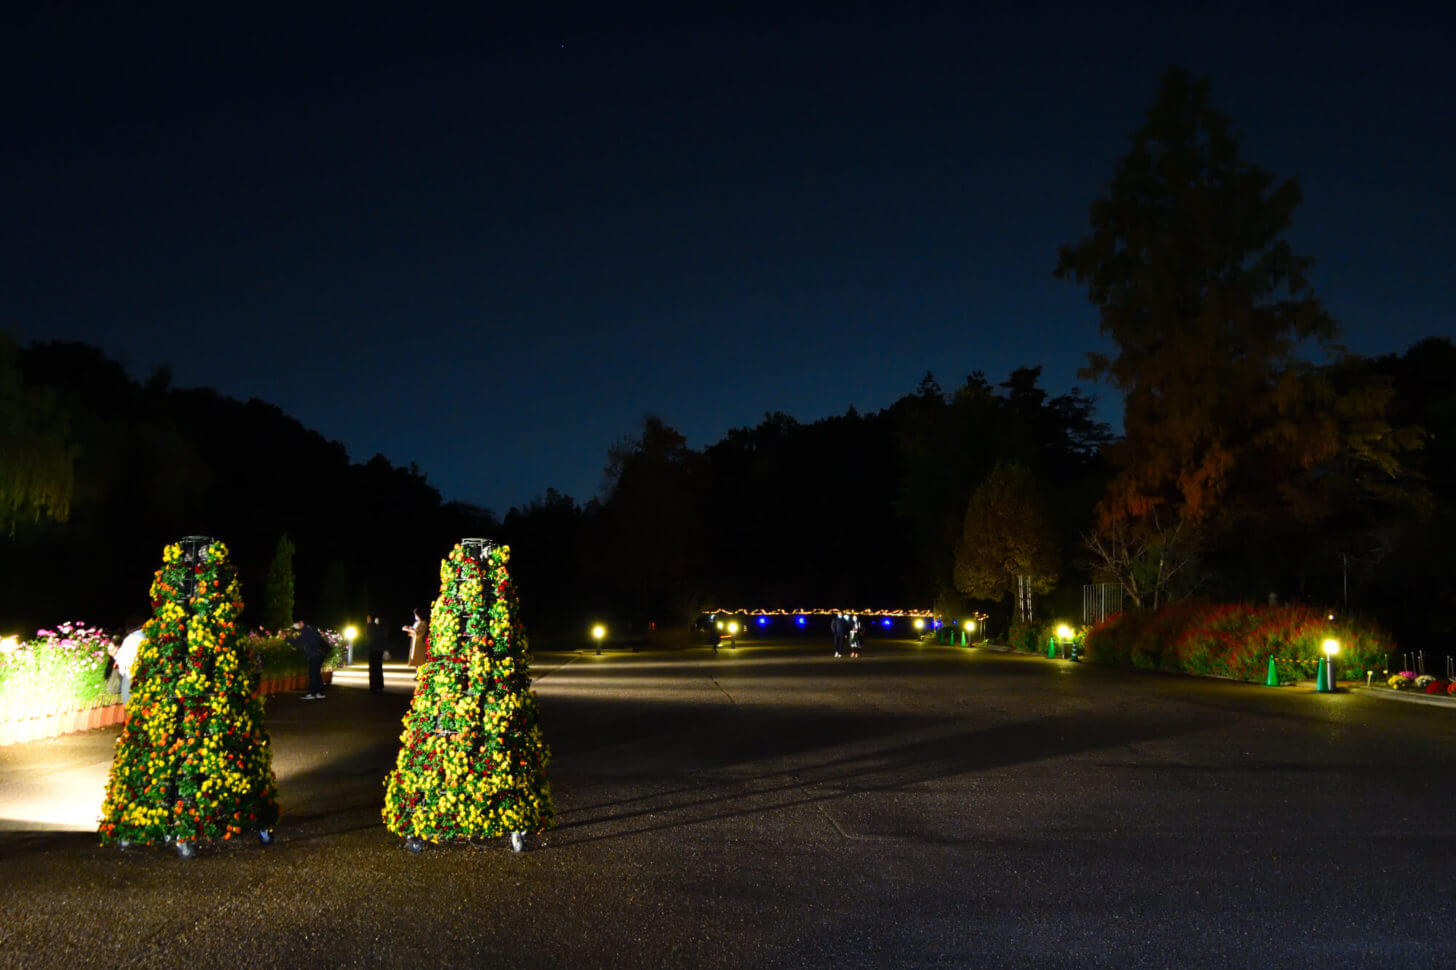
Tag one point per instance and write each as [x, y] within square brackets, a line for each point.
[193, 762]
[472, 759]
[278, 588]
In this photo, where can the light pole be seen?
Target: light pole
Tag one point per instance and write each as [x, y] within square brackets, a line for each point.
[351, 633]
[1324, 682]
[599, 633]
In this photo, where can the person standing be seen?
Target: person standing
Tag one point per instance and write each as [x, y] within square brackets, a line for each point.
[374, 643]
[418, 632]
[837, 627]
[124, 656]
[856, 636]
[307, 638]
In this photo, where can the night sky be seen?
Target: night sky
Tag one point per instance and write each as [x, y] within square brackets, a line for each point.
[489, 244]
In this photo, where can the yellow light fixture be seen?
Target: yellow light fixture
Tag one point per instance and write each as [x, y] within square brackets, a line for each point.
[1332, 646]
[970, 626]
[598, 632]
[351, 633]
[732, 629]
[919, 623]
[1064, 632]
[9, 644]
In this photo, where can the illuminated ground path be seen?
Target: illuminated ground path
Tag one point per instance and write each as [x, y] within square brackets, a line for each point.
[774, 806]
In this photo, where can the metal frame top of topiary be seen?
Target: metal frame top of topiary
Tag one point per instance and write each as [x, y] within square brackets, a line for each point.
[472, 759]
[194, 762]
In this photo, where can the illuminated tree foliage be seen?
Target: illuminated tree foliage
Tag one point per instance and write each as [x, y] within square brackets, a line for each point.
[1232, 443]
[472, 760]
[1008, 544]
[194, 761]
[1204, 302]
[37, 461]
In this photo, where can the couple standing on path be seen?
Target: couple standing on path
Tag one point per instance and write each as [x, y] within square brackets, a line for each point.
[847, 632]
[416, 631]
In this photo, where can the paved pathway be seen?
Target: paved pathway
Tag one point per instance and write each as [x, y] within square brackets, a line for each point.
[772, 806]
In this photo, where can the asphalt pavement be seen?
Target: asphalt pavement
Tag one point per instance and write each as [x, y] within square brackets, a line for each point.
[772, 806]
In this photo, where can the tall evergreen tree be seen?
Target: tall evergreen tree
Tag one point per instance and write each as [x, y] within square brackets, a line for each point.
[278, 588]
[472, 760]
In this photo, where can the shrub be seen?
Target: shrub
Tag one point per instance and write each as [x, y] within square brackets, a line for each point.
[1451, 689]
[276, 656]
[1436, 687]
[1233, 640]
[1027, 637]
[1424, 681]
[1400, 682]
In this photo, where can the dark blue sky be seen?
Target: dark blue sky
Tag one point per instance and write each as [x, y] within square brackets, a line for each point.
[489, 245]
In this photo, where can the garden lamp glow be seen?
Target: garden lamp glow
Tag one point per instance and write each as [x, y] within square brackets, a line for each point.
[351, 633]
[970, 626]
[919, 623]
[598, 632]
[1332, 647]
[9, 644]
[733, 629]
[1064, 632]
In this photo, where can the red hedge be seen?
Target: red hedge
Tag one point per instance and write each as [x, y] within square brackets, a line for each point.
[1236, 640]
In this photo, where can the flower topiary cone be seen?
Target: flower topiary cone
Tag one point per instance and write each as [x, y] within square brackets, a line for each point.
[193, 762]
[472, 761]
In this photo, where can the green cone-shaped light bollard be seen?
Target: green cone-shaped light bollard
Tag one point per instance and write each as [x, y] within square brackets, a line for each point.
[1322, 683]
[1273, 679]
[1051, 648]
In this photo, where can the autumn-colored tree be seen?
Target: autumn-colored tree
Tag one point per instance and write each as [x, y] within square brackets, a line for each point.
[1206, 305]
[1204, 302]
[1007, 545]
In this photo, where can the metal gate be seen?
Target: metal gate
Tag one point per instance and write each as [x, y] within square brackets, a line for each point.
[1099, 601]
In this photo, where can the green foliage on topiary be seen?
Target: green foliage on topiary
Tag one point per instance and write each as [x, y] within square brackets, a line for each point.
[472, 759]
[194, 761]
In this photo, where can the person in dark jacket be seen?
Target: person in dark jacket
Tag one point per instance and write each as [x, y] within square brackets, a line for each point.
[307, 638]
[839, 628]
[374, 643]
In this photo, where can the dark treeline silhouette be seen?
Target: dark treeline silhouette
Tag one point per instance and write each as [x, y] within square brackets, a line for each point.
[154, 463]
[857, 510]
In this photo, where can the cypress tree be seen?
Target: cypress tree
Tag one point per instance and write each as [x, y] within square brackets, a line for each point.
[278, 589]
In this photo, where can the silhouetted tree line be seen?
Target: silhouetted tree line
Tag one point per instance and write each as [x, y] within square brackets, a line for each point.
[1244, 472]
[859, 510]
[153, 463]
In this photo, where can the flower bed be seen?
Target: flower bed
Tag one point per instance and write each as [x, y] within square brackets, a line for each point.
[52, 684]
[1236, 641]
[56, 670]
